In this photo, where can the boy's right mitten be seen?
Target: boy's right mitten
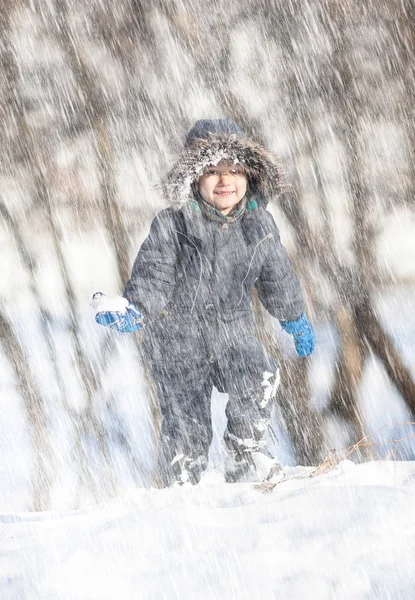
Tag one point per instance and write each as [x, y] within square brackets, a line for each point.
[116, 313]
[302, 331]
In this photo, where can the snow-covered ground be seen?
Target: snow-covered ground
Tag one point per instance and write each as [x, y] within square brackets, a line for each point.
[347, 534]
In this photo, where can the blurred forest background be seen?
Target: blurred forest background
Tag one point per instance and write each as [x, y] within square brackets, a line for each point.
[95, 100]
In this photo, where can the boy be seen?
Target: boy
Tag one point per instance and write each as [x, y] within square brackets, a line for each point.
[192, 282]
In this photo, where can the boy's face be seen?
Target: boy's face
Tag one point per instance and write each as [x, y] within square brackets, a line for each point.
[223, 186]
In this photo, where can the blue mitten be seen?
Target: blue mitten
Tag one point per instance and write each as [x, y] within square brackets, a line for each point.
[117, 313]
[302, 331]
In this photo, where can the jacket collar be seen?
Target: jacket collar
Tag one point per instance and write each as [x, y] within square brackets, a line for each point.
[250, 221]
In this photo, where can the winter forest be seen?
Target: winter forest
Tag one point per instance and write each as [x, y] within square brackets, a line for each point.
[95, 100]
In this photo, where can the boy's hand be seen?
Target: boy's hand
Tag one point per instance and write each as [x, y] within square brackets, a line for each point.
[303, 333]
[116, 313]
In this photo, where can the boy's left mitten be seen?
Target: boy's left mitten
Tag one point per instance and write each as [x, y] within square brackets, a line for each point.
[116, 313]
[302, 331]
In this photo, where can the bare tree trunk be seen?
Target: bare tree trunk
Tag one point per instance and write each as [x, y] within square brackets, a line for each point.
[115, 224]
[383, 346]
[87, 421]
[11, 111]
[96, 112]
[32, 155]
[366, 321]
[30, 263]
[349, 371]
[304, 424]
[344, 402]
[120, 242]
[402, 30]
[35, 409]
[347, 285]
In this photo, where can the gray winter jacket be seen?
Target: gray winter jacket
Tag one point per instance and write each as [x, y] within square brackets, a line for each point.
[193, 276]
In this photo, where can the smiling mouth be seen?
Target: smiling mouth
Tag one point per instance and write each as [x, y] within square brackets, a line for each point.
[224, 193]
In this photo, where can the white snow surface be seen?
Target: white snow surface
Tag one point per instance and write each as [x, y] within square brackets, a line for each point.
[101, 303]
[347, 534]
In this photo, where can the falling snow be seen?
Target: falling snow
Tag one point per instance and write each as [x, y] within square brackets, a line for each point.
[96, 99]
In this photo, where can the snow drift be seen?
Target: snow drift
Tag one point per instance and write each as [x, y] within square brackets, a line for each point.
[347, 534]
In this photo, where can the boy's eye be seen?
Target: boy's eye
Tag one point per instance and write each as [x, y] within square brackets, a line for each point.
[212, 172]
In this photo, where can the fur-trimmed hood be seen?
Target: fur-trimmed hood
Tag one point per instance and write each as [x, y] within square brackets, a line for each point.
[208, 143]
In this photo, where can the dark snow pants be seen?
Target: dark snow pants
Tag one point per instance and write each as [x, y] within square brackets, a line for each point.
[250, 378]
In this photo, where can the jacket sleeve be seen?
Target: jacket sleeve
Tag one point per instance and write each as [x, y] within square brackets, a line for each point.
[278, 286]
[153, 276]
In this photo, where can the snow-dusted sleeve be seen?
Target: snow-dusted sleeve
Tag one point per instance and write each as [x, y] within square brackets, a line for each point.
[278, 286]
[153, 276]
